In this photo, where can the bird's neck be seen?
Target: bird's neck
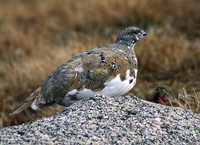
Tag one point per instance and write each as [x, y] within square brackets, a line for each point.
[127, 46]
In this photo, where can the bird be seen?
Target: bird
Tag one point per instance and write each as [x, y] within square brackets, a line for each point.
[107, 70]
[159, 98]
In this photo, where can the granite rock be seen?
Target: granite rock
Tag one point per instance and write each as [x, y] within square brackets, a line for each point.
[106, 120]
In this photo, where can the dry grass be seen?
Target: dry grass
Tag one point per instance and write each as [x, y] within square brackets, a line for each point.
[184, 99]
[37, 36]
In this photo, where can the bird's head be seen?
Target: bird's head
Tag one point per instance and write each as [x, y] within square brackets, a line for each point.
[130, 35]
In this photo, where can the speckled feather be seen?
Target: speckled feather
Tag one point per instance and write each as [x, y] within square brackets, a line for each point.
[88, 70]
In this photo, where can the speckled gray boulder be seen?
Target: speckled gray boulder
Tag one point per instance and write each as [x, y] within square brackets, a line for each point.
[105, 120]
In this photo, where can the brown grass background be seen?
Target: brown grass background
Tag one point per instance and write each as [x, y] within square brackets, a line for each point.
[38, 36]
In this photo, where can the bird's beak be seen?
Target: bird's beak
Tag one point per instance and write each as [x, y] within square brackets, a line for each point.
[144, 34]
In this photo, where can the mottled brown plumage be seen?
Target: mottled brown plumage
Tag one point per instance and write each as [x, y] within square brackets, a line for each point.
[92, 69]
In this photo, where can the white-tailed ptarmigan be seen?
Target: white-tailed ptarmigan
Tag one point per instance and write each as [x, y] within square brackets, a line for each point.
[108, 70]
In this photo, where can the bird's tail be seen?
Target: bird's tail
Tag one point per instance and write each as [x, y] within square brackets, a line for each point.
[29, 101]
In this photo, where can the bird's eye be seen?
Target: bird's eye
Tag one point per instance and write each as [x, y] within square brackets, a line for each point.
[136, 32]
